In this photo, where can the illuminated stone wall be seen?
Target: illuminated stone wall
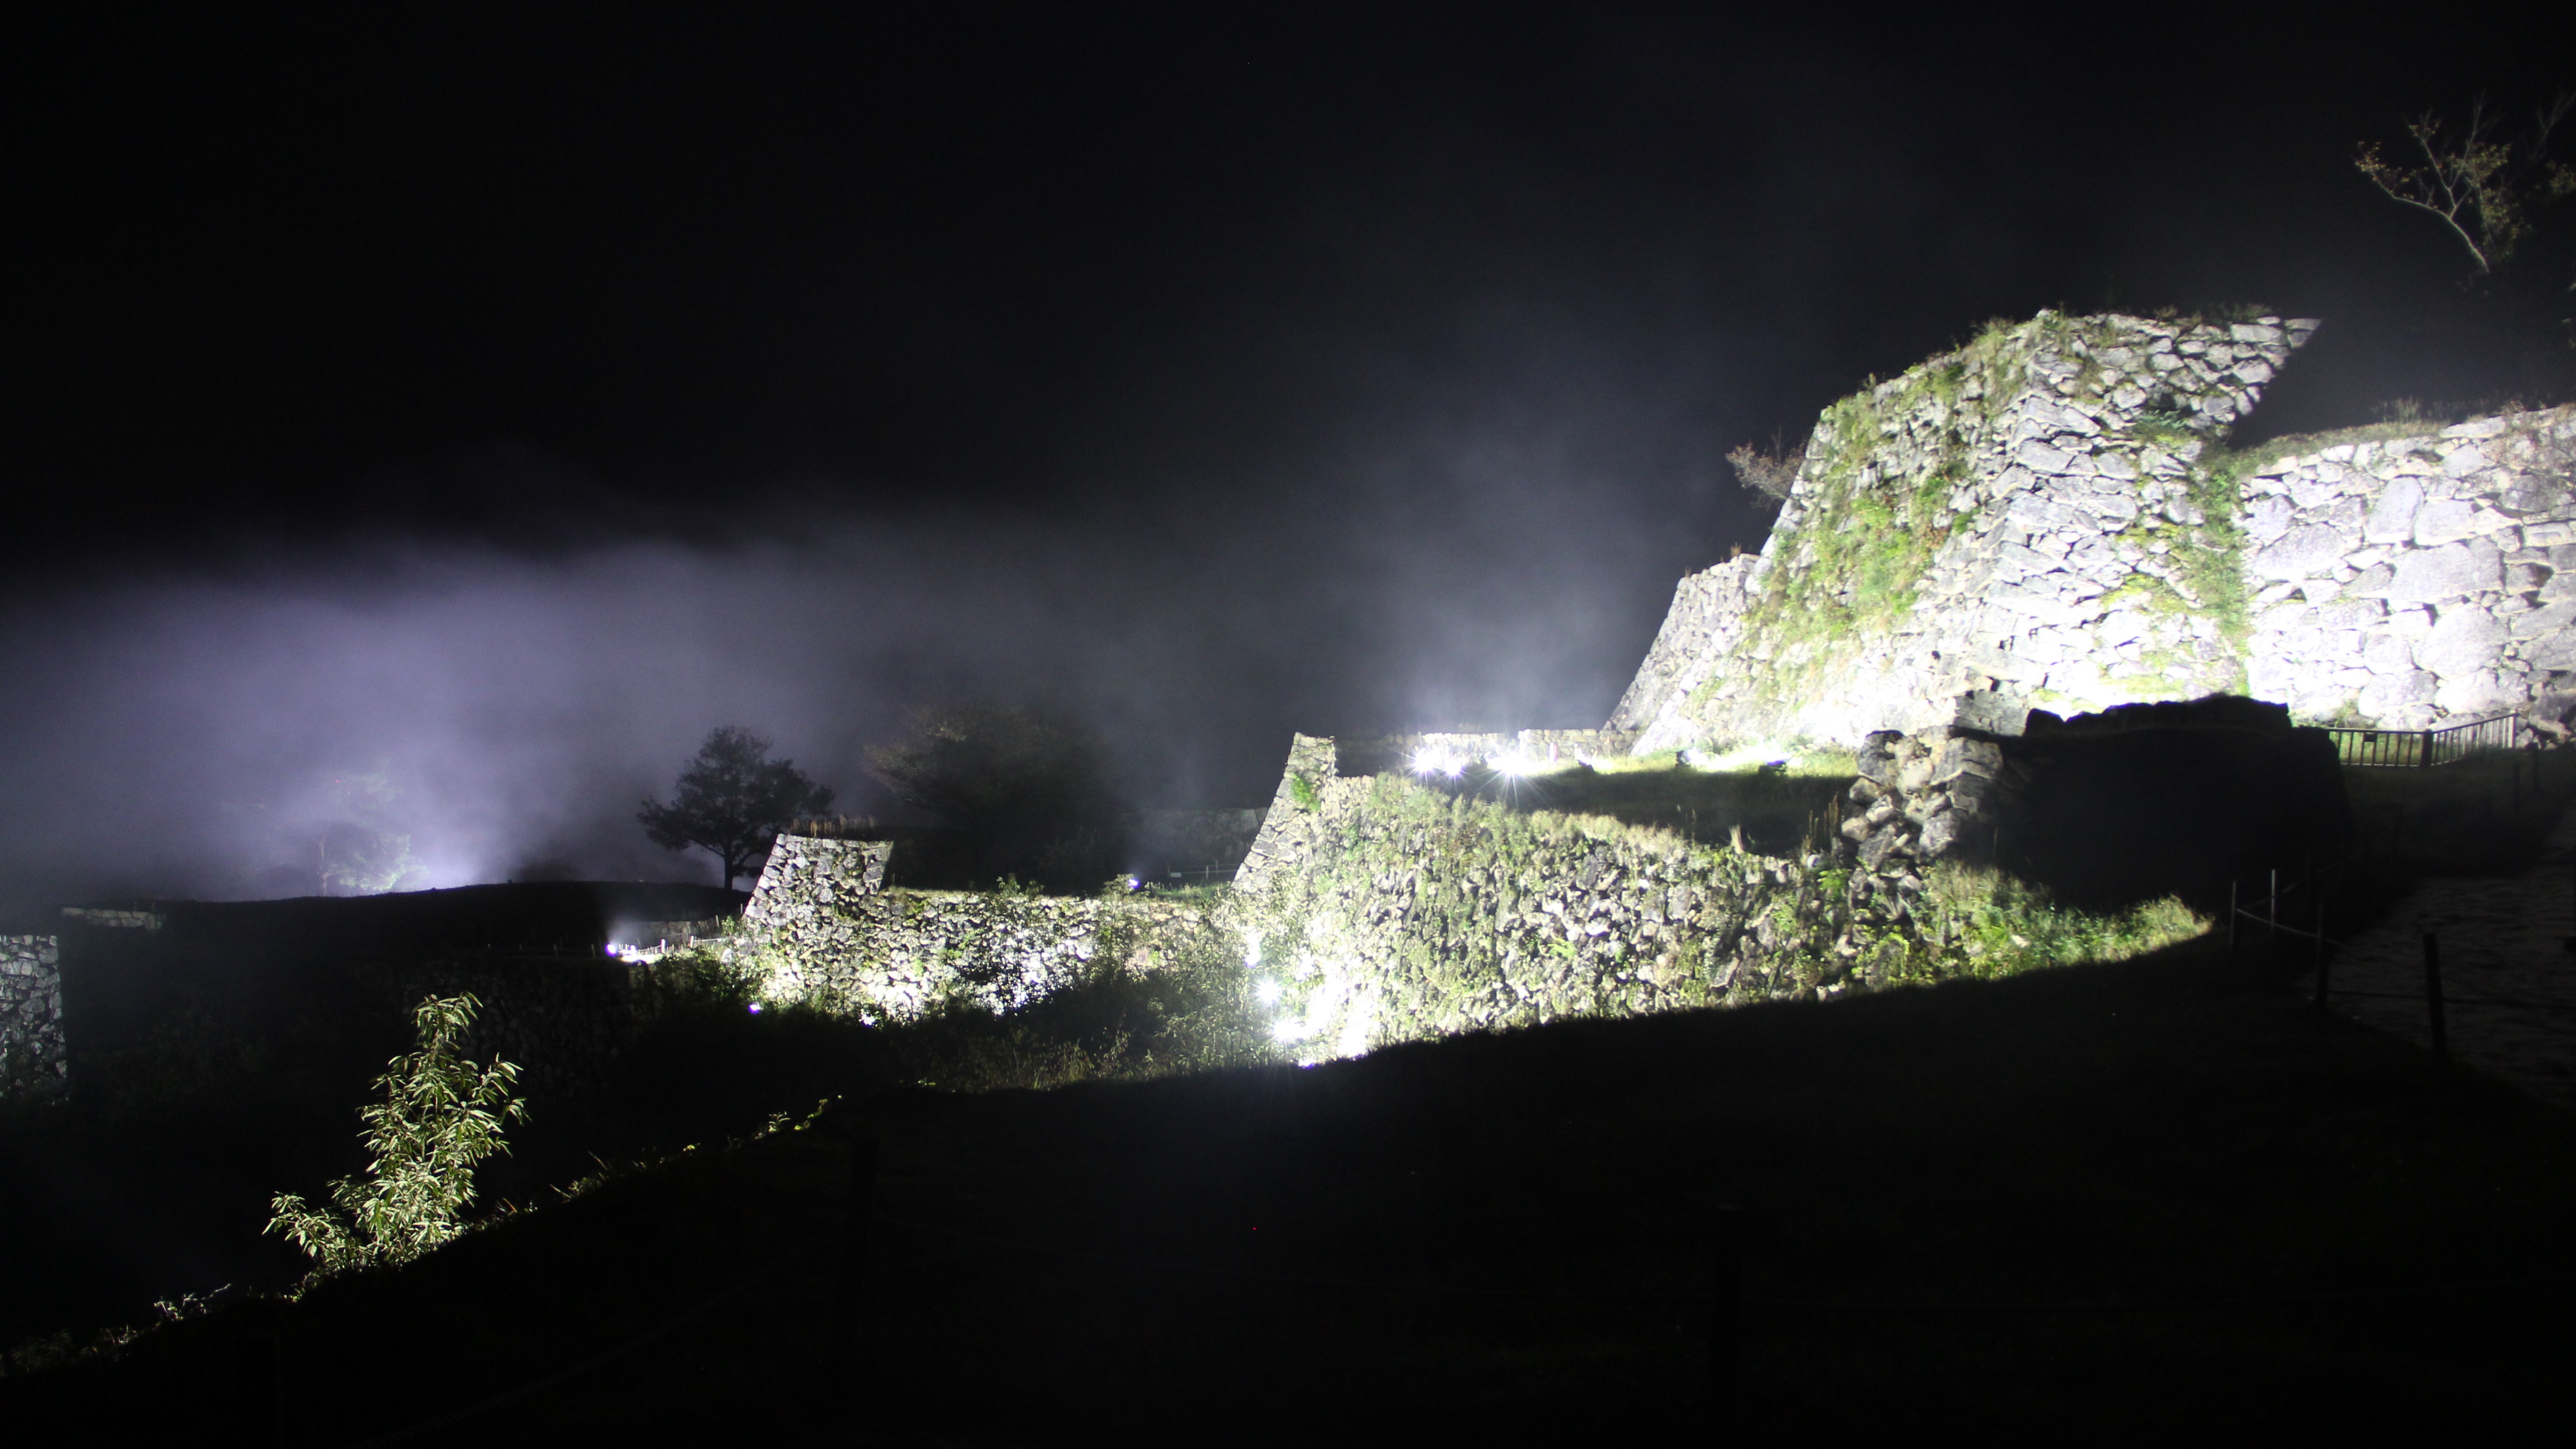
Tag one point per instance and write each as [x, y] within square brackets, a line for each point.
[1387, 911]
[2049, 517]
[33, 1058]
[2416, 581]
[829, 931]
[2029, 520]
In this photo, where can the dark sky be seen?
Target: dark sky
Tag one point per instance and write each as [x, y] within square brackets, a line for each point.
[491, 402]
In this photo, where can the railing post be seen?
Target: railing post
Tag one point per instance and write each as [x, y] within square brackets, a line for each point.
[2427, 761]
[2433, 996]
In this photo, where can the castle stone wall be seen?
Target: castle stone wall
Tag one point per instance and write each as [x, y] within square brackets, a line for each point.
[34, 1058]
[833, 933]
[2048, 518]
[2416, 581]
[1387, 910]
[2023, 521]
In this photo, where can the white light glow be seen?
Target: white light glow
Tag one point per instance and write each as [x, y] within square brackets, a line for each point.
[1428, 761]
[1288, 1029]
[1266, 991]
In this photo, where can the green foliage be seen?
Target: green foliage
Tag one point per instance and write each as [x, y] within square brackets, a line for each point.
[441, 1116]
[1161, 997]
[1302, 790]
[1864, 535]
[1989, 924]
[731, 801]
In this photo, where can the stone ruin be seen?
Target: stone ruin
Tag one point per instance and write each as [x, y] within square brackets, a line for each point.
[33, 1058]
[2049, 518]
[1922, 796]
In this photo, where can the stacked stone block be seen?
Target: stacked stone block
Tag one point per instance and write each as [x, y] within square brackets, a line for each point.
[1390, 913]
[2099, 548]
[34, 1057]
[2413, 582]
[831, 932]
[1922, 797]
[2057, 458]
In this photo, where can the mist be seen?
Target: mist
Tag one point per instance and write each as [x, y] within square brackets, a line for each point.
[192, 731]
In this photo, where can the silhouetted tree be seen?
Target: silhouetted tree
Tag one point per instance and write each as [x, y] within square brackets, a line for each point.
[2499, 195]
[1030, 790]
[731, 800]
[2472, 181]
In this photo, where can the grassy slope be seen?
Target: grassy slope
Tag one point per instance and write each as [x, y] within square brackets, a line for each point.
[2170, 1128]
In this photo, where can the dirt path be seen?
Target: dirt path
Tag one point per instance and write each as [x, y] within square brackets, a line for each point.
[2503, 940]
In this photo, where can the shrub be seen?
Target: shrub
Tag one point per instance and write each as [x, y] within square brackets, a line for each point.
[441, 1116]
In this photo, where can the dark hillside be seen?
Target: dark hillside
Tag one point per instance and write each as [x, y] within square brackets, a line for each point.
[2115, 1201]
[222, 1058]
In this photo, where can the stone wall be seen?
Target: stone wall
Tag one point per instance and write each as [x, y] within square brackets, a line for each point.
[2048, 517]
[2030, 520]
[114, 918]
[1387, 910]
[831, 932]
[2416, 581]
[1924, 797]
[34, 1061]
[563, 1021]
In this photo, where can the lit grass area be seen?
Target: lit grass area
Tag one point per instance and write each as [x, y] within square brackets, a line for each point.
[1990, 925]
[2152, 1197]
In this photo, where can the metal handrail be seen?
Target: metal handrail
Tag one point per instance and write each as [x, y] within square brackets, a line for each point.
[2418, 748]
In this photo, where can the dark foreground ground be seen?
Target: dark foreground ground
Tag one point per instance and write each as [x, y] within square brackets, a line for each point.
[2108, 1201]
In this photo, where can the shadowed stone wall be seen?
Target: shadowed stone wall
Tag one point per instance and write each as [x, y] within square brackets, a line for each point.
[33, 1059]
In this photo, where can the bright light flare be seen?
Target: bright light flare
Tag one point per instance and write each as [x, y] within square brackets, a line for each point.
[1288, 1030]
[1266, 991]
[1439, 762]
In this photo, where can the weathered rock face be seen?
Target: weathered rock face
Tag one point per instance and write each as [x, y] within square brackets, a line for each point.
[2046, 518]
[33, 1058]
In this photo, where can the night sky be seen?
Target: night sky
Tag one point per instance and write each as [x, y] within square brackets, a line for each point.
[485, 403]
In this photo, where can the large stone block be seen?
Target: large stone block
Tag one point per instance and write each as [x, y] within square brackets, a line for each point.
[2453, 571]
[2464, 641]
[2302, 553]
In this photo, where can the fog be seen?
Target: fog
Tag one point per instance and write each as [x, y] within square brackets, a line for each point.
[194, 729]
